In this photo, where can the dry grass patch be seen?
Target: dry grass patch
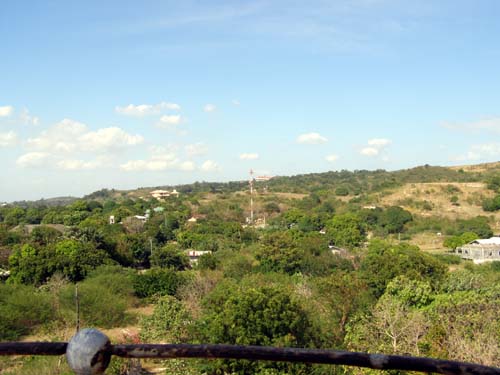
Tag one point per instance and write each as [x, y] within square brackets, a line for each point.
[439, 195]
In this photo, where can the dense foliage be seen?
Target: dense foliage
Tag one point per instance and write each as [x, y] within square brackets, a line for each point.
[325, 264]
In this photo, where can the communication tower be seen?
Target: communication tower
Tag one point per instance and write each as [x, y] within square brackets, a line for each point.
[251, 195]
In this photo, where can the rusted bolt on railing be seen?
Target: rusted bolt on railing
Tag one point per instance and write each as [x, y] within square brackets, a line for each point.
[89, 353]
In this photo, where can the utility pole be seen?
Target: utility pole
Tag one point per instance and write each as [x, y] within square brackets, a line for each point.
[77, 303]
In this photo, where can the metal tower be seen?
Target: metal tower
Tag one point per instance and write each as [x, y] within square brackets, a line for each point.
[251, 195]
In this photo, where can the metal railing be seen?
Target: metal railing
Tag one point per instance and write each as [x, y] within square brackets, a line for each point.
[89, 353]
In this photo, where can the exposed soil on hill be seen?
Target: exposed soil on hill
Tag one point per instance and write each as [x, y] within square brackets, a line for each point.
[440, 197]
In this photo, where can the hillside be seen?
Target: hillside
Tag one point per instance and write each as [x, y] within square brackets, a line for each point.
[359, 181]
[342, 254]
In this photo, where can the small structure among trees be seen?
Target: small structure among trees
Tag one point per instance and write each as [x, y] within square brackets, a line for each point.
[481, 250]
[162, 194]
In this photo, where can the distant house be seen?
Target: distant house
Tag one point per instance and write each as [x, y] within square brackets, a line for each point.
[335, 250]
[134, 224]
[162, 194]
[4, 274]
[263, 178]
[194, 255]
[480, 251]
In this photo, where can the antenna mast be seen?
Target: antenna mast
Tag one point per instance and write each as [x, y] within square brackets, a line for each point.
[251, 195]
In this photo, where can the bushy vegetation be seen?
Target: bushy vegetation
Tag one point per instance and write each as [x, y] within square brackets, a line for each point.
[332, 267]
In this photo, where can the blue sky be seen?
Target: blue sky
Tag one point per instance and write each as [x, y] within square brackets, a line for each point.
[123, 94]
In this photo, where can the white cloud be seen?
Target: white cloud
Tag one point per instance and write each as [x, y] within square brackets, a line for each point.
[209, 108]
[196, 149]
[26, 118]
[490, 124]
[187, 166]
[379, 142]
[6, 111]
[311, 139]
[480, 152]
[369, 151]
[235, 102]
[331, 158]
[375, 147]
[108, 138]
[249, 156]
[70, 127]
[69, 143]
[62, 137]
[209, 166]
[8, 139]
[161, 159]
[69, 136]
[74, 165]
[155, 149]
[170, 121]
[164, 156]
[144, 165]
[32, 159]
[146, 109]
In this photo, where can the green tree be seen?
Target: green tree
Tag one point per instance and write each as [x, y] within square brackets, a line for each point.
[457, 241]
[412, 293]
[279, 253]
[394, 218]
[76, 259]
[384, 261]
[170, 256]
[44, 235]
[492, 204]
[391, 327]
[343, 294]
[342, 191]
[465, 326]
[478, 225]
[30, 265]
[14, 216]
[345, 230]
[170, 322]
[158, 281]
[254, 316]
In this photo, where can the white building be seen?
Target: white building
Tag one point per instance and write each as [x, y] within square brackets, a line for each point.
[162, 194]
[480, 251]
[194, 255]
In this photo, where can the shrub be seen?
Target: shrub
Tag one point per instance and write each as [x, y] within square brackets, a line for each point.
[448, 258]
[170, 322]
[257, 315]
[99, 305]
[170, 256]
[207, 262]
[157, 281]
[385, 261]
[341, 191]
[21, 309]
